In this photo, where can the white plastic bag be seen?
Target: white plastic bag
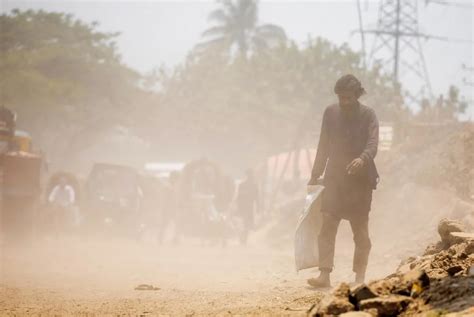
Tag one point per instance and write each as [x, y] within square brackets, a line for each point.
[307, 231]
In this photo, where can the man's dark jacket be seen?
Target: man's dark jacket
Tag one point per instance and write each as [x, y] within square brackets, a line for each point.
[345, 136]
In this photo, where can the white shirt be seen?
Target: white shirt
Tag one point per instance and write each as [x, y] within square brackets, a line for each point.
[62, 195]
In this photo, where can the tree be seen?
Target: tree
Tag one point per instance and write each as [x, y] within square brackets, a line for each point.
[454, 106]
[60, 74]
[236, 29]
[51, 58]
[444, 109]
[257, 106]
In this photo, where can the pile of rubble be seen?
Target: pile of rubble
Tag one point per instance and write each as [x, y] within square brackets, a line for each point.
[439, 282]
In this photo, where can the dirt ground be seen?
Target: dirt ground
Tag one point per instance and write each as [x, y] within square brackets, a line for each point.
[97, 278]
[93, 276]
[74, 276]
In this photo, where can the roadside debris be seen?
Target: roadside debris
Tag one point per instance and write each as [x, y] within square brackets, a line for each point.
[146, 287]
[439, 281]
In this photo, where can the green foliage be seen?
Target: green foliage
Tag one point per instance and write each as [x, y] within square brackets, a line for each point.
[236, 27]
[266, 103]
[53, 59]
[446, 108]
[61, 74]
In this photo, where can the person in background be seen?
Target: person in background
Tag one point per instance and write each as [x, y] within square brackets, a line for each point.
[247, 203]
[63, 199]
[169, 208]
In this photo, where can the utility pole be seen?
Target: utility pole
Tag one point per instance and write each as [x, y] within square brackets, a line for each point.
[396, 46]
[362, 35]
[396, 51]
[397, 43]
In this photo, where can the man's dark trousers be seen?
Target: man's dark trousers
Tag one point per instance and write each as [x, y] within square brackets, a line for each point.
[327, 242]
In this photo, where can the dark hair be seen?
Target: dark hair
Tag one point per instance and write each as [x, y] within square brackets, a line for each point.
[349, 83]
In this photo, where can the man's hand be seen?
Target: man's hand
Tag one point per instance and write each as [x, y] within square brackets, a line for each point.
[354, 166]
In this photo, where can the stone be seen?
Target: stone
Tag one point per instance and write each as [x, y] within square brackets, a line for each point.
[454, 269]
[416, 275]
[462, 236]
[342, 291]
[146, 287]
[386, 306]
[334, 305]
[445, 227]
[412, 283]
[359, 293]
[467, 313]
[356, 314]
[469, 248]
[338, 306]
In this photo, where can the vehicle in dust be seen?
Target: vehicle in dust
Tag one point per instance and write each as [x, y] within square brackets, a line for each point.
[112, 199]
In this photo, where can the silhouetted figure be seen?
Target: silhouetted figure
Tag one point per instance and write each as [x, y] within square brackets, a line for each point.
[346, 151]
[170, 209]
[62, 200]
[7, 129]
[247, 203]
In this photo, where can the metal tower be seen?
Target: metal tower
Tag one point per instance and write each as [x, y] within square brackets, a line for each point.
[397, 45]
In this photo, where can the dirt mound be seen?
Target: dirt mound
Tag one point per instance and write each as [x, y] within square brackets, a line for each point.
[439, 281]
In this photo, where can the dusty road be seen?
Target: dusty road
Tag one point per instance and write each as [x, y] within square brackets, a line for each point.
[90, 277]
[71, 276]
[77, 276]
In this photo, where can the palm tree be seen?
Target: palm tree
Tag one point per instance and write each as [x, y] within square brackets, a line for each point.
[236, 29]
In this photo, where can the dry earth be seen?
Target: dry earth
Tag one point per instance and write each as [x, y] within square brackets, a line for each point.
[72, 276]
[94, 277]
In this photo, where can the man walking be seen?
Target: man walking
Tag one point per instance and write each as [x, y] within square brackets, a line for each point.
[247, 204]
[346, 151]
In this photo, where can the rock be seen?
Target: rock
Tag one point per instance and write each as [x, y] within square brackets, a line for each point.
[454, 269]
[373, 312]
[385, 286]
[337, 306]
[331, 305]
[445, 227]
[403, 268]
[434, 248]
[467, 313]
[469, 248]
[433, 313]
[356, 314]
[417, 275]
[471, 271]
[146, 287]
[386, 306]
[460, 237]
[359, 293]
[342, 291]
[412, 283]
[336, 303]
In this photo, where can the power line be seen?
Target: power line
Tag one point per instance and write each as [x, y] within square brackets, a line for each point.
[397, 43]
[451, 4]
[397, 34]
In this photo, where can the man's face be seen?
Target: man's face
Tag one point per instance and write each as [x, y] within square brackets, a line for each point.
[347, 100]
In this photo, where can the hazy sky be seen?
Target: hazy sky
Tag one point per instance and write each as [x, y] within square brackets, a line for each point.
[162, 32]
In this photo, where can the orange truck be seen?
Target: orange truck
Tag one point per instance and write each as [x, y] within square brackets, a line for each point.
[20, 174]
